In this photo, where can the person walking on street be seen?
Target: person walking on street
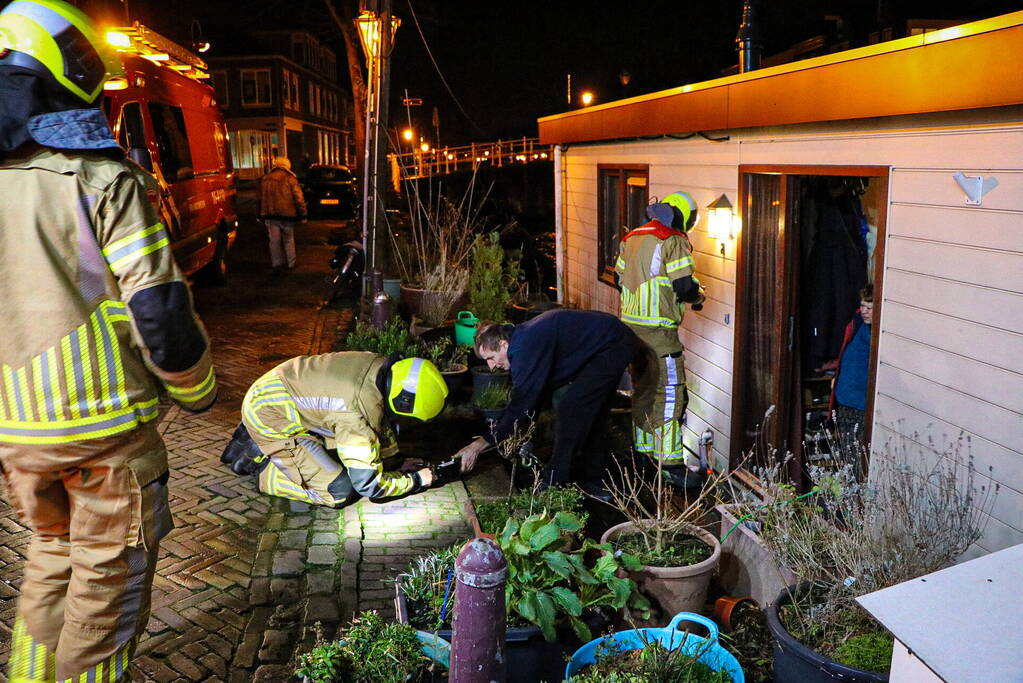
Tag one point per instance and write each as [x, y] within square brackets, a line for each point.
[97, 318]
[655, 273]
[294, 416]
[589, 352]
[281, 205]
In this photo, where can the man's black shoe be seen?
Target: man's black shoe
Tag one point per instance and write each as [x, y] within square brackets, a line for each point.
[597, 490]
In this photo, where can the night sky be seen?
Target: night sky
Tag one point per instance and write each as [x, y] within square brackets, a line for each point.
[507, 60]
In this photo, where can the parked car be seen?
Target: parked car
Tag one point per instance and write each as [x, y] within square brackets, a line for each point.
[330, 189]
[170, 125]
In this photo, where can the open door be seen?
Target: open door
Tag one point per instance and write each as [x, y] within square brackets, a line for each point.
[810, 244]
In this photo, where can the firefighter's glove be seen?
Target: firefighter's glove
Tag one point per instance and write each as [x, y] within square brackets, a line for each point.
[447, 472]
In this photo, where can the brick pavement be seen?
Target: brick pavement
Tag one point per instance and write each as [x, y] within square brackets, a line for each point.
[243, 577]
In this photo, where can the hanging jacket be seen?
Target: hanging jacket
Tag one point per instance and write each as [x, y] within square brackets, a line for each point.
[280, 196]
[334, 395]
[96, 314]
[650, 258]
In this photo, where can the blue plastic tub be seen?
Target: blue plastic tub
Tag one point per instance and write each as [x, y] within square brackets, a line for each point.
[671, 637]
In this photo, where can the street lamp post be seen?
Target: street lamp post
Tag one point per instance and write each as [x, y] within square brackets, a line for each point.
[376, 29]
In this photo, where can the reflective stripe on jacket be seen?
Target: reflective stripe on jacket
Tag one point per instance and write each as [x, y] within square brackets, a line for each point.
[80, 239]
[334, 395]
[646, 267]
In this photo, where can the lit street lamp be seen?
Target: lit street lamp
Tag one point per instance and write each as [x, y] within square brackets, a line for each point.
[587, 98]
[407, 134]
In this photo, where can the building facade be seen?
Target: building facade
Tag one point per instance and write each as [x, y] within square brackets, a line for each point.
[285, 100]
[914, 143]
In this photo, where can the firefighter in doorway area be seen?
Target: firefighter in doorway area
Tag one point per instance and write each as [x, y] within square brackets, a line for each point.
[296, 414]
[655, 274]
[96, 318]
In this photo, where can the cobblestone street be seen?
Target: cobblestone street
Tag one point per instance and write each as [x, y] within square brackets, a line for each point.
[243, 577]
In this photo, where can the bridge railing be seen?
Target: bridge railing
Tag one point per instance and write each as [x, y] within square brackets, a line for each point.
[445, 160]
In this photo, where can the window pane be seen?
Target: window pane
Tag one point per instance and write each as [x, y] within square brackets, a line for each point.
[172, 141]
[610, 217]
[636, 207]
[248, 87]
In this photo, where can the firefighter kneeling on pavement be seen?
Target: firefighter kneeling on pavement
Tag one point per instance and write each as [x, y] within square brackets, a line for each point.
[296, 414]
[96, 317]
[655, 273]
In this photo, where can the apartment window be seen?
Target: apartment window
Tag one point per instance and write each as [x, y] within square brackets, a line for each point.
[621, 206]
[294, 92]
[286, 88]
[255, 87]
[220, 87]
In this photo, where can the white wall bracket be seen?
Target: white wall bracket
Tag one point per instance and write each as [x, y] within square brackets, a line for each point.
[975, 186]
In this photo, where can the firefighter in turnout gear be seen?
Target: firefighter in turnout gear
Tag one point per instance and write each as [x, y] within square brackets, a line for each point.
[655, 273]
[97, 318]
[296, 414]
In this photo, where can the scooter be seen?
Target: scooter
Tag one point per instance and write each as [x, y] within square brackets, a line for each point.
[347, 266]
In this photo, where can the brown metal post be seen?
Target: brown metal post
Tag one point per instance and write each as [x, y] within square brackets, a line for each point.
[477, 647]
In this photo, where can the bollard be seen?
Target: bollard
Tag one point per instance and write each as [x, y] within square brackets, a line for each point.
[477, 647]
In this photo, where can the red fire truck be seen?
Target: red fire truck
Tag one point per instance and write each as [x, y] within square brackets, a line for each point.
[165, 116]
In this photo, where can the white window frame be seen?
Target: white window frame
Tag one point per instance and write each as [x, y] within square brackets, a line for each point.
[269, 90]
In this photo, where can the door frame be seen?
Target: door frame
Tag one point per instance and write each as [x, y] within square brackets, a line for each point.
[882, 174]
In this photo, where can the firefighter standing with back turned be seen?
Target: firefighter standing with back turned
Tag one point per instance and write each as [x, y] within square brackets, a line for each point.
[96, 318]
[655, 272]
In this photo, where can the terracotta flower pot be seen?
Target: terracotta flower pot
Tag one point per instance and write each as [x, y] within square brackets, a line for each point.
[726, 608]
[676, 589]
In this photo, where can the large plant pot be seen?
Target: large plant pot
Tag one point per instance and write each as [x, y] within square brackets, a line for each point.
[415, 299]
[521, 311]
[483, 378]
[455, 380]
[793, 661]
[747, 567]
[530, 657]
[672, 637]
[676, 589]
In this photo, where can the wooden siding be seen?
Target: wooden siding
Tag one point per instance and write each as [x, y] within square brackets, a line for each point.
[951, 342]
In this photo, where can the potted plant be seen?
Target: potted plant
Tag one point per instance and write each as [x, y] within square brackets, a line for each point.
[492, 401]
[656, 654]
[424, 594]
[492, 514]
[450, 359]
[394, 338]
[369, 651]
[434, 257]
[678, 557]
[495, 273]
[916, 515]
[483, 378]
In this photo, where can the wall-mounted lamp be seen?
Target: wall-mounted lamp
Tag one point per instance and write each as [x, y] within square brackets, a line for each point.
[721, 221]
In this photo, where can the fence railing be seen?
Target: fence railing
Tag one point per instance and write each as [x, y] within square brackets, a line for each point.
[444, 160]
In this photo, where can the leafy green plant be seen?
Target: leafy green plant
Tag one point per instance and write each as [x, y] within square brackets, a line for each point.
[492, 514]
[545, 582]
[493, 276]
[446, 355]
[867, 651]
[368, 651]
[322, 664]
[494, 396]
[394, 338]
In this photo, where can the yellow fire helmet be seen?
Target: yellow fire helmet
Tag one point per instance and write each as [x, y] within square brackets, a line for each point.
[58, 42]
[686, 206]
[417, 389]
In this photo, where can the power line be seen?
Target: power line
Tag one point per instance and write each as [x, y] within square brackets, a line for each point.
[443, 80]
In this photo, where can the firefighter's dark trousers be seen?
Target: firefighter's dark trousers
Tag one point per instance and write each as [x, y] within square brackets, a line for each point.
[97, 511]
[580, 435]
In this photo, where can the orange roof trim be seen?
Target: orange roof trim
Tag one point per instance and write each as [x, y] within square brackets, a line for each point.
[963, 67]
